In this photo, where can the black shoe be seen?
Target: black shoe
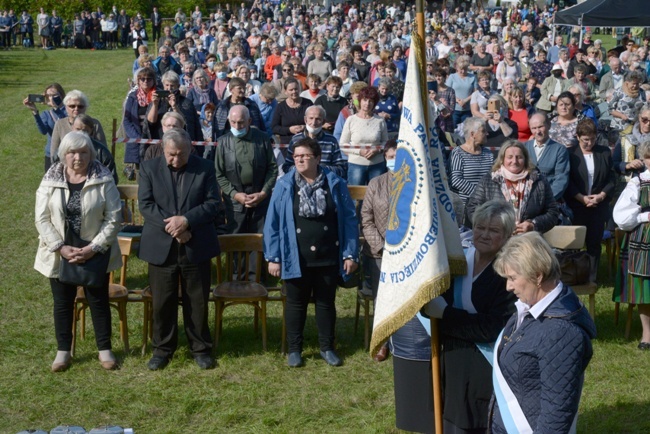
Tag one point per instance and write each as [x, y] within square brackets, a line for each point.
[204, 361]
[157, 362]
[644, 346]
[295, 360]
[331, 358]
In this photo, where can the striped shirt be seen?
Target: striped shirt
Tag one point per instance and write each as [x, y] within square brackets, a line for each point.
[466, 170]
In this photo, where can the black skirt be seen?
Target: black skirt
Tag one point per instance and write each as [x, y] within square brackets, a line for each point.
[413, 395]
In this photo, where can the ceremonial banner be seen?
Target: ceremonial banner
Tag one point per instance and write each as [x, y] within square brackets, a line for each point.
[422, 244]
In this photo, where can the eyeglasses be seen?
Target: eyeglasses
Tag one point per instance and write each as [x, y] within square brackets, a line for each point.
[285, 54]
[303, 156]
[644, 120]
[145, 79]
[287, 70]
[76, 106]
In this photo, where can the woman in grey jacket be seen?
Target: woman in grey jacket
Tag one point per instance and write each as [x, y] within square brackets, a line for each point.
[516, 180]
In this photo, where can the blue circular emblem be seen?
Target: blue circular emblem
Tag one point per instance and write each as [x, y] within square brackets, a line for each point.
[403, 190]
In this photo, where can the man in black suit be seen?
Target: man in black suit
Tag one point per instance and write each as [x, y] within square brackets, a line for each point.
[179, 199]
[156, 22]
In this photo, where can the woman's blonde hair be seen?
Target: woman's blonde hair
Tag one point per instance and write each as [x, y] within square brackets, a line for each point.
[530, 256]
[512, 143]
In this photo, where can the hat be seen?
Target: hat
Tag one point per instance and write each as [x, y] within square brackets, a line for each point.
[556, 67]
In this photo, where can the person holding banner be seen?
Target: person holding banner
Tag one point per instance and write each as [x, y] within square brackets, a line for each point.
[472, 313]
[542, 353]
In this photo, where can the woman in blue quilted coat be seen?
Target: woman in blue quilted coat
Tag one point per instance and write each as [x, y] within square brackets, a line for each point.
[542, 353]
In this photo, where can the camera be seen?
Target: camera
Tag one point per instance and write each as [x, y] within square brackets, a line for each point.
[163, 93]
[35, 98]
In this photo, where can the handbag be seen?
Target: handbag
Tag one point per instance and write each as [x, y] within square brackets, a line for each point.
[575, 266]
[92, 273]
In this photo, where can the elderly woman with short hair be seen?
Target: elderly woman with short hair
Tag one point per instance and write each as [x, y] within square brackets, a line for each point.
[267, 102]
[201, 93]
[472, 313]
[543, 351]
[508, 68]
[77, 204]
[515, 179]
[332, 102]
[627, 101]
[469, 162]
[464, 85]
[75, 102]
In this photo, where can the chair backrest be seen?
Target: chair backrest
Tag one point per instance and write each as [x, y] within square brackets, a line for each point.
[239, 247]
[566, 237]
[357, 192]
[125, 245]
[130, 212]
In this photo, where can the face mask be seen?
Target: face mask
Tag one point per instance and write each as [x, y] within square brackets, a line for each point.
[238, 133]
[390, 165]
[222, 75]
[210, 65]
[313, 130]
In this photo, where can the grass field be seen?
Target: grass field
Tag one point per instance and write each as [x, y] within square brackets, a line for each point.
[250, 391]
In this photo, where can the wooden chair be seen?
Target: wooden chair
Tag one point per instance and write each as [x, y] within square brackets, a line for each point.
[117, 298]
[233, 286]
[358, 192]
[573, 238]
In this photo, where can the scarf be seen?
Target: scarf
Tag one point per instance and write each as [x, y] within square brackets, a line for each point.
[204, 95]
[515, 190]
[312, 196]
[485, 93]
[144, 98]
[637, 137]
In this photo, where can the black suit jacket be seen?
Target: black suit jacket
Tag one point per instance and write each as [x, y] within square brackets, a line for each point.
[604, 177]
[200, 201]
[154, 21]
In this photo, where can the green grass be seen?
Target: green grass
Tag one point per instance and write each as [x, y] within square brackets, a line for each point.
[250, 391]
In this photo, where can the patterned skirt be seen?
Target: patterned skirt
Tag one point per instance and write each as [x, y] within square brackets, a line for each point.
[633, 274]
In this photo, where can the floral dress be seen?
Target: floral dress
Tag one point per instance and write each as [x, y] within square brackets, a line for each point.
[627, 105]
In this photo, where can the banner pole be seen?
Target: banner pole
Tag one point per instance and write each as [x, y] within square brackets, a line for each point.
[435, 345]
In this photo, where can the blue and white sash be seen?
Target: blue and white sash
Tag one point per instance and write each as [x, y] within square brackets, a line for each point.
[512, 415]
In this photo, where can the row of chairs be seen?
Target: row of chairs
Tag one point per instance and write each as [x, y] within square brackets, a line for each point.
[233, 285]
[235, 288]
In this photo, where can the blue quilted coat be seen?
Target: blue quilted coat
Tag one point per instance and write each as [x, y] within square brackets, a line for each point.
[544, 361]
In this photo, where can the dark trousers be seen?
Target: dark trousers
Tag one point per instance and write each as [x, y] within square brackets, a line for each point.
[251, 221]
[155, 31]
[64, 296]
[194, 281]
[321, 283]
[124, 37]
[594, 219]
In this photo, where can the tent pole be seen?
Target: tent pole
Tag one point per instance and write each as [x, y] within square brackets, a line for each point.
[581, 21]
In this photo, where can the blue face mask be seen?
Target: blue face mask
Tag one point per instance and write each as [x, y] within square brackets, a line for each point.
[238, 133]
[390, 165]
[222, 75]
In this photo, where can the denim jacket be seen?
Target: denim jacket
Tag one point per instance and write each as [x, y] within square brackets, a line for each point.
[280, 243]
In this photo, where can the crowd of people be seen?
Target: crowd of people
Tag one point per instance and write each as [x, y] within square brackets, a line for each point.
[302, 99]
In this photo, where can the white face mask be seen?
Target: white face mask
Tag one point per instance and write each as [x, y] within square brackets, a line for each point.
[312, 130]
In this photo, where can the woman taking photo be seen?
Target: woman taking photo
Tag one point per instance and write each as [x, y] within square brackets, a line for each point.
[363, 129]
[472, 313]
[289, 115]
[76, 103]
[516, 180]
[564, 123]
[591, 186]
[54, 95]
[630, 214]
[480, 97]
[543, 351]
[311, 238]
[77, 204]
